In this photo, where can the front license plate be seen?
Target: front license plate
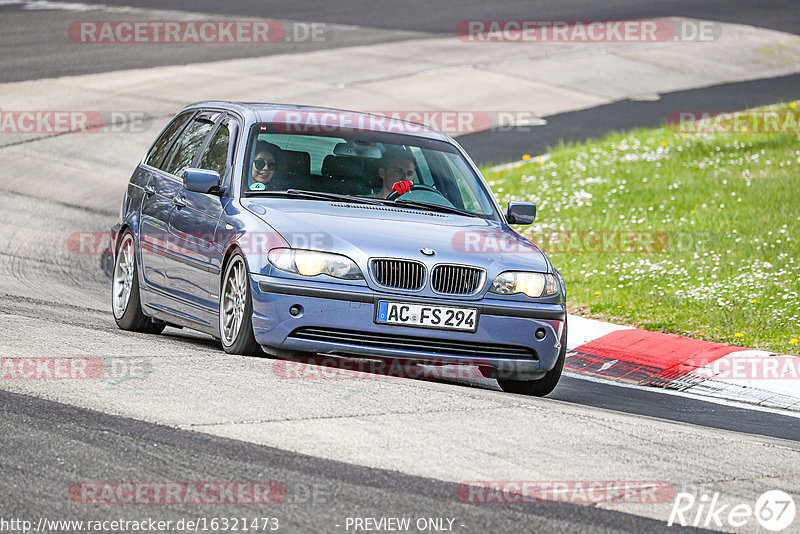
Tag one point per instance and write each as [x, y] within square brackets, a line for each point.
[426, 315]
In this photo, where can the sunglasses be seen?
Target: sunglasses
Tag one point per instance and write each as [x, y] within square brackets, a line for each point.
[260, 164]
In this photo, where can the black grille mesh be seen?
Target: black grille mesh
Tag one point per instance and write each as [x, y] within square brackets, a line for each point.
[399, 274]
[456, 279]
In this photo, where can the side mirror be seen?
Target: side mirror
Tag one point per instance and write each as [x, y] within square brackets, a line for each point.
[201, 181]
[521, 212]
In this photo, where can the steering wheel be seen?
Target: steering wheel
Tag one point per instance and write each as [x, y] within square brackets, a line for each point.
[416, 187]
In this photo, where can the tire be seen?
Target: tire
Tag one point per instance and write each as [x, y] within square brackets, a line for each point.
[236, 309]
[544, 385]
[126, 304]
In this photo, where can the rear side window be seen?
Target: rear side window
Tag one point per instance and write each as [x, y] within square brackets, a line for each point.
[162, 144]
[186, 148]
[215, 156]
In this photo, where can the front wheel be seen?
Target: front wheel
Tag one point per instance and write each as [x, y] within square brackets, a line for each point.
[544, 385]
[236, 310]
[125, 300]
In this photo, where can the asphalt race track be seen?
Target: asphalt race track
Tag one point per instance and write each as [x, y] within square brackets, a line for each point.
[321, 494]
[374, 448]
[495, 146]
[44, 54]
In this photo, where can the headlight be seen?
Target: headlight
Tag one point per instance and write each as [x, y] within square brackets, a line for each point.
[313, 263]
[535, 285]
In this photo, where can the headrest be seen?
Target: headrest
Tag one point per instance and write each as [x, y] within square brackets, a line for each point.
[297, 162]
[342, 166]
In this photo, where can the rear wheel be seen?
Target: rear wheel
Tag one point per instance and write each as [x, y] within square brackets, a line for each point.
[236, 310]
[544, 385]
[125, 301]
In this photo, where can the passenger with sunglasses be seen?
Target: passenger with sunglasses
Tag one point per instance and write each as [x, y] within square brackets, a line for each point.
[265, 164]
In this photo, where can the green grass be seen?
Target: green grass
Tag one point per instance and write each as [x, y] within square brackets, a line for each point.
[718, 222]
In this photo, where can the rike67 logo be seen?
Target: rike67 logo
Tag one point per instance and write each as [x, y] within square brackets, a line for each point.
[774, 510]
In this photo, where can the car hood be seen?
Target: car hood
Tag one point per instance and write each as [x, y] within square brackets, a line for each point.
[364, 231]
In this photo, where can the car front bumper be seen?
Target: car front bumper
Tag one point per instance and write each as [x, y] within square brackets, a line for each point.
[340, 318]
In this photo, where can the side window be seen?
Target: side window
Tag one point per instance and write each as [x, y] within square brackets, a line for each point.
[459, 187]
[162, 143]
[215, 156]
[422, 165]
[185, 149]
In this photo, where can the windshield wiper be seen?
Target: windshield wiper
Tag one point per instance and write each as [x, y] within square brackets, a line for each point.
[264, 193]
[319, 195]
[330, 196]
[316, 195]
[435, 207]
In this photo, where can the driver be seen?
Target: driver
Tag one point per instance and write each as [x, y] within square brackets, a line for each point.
[396, 173]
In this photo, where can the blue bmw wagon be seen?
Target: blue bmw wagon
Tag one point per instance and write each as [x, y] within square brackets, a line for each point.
[292, 230]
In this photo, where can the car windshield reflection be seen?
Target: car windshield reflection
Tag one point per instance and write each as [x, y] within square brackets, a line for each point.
[425, 173]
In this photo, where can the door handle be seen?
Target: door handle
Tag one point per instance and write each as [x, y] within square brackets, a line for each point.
[179, 201]
[149, 189]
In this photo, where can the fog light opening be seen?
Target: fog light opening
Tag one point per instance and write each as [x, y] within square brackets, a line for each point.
[296, 310]
[540, 333]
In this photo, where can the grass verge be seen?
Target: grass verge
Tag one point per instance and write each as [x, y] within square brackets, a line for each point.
[692, 234]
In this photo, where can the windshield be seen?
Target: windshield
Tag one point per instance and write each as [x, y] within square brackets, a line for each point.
[402, 168]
